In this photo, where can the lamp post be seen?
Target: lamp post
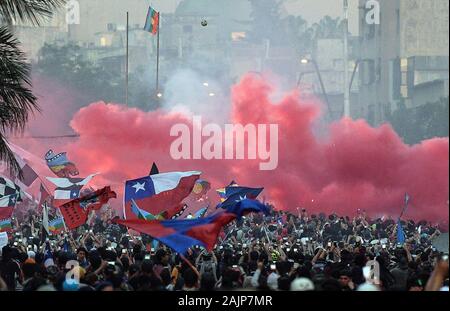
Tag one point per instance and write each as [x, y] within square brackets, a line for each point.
[346, 83]
[306, 61]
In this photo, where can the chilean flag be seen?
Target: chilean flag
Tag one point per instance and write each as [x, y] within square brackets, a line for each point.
[159, 193]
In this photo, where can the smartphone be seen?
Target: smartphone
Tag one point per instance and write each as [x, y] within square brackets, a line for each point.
[112, 263]
[383, 246]
[124, 251]
[235, 266]
[91, 231]
[288, 249]
[147, 257]
[244, 245]
[15, 244]
[329, 244]
[273, 267]
[295, 249]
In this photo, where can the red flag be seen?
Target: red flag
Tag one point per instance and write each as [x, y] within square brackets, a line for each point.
[76, 212]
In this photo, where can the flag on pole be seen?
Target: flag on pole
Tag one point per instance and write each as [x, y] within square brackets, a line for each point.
[60, 165]
[45, 218]
[56, 226]
[5, 225]
[68, 188]
[28, 174]
[152, 21]
[180, 235]
[76, 212]
[159, 193]
[141, 214]
[235, 194]
[10, 194]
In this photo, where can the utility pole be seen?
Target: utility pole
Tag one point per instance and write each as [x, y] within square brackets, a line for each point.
[127, 60]
[346, 78]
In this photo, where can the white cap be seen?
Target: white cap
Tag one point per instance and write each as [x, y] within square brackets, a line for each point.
[31, 254]
[302, 284]
[367, 287]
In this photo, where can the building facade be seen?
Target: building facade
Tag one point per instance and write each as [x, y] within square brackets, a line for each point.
[407, 48]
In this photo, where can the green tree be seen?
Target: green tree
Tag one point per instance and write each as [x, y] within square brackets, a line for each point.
[328, 28]
[16, 98]
[267, 22]
[69, 65]
[417, 124]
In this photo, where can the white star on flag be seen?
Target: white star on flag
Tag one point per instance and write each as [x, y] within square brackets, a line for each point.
[138, 186]
[241, 198]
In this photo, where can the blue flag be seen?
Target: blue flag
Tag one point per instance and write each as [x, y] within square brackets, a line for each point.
[401, 238]
[236, 194]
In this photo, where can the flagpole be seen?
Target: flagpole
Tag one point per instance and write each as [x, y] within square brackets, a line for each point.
[405, 207]
[127, 60]
[157, 55]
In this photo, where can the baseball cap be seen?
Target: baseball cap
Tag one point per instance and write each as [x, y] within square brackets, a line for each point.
[302, 284]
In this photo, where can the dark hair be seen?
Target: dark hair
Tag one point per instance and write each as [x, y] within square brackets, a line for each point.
[160, 253]
[207, 282]
[190, 278]
[82, 249]
[165, 277]
[147, 266]
[29, 270]
[284, 283]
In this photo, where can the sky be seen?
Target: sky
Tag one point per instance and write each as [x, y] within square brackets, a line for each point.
[311, 10]
[314, 10]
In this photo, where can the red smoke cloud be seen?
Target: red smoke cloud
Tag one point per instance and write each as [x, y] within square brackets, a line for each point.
[355, 166]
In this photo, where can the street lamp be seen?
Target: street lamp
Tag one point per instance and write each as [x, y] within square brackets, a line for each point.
[159, 95]
[205, 84]
[306, 61]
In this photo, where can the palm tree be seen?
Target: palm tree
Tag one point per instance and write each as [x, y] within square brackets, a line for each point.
[16, 99]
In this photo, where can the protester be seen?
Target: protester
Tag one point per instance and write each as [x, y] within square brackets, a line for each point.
[278, 252]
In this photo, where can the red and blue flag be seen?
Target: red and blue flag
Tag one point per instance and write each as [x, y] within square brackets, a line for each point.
[180, 235]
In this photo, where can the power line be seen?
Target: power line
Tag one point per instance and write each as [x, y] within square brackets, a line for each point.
[46, 137]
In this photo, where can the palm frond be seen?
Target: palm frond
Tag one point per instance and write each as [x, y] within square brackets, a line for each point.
[34, 11]
[16, 98]
[7, 156]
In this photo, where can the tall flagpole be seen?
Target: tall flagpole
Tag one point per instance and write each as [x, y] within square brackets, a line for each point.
[157, 54]
[126, 63]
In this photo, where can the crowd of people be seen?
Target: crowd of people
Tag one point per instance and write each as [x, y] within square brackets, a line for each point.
[283, 251]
